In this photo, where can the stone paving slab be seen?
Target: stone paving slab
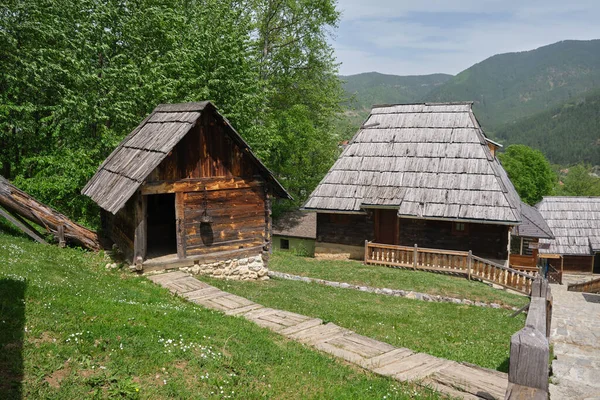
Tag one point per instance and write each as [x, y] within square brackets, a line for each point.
[452, 378]
[575, 335]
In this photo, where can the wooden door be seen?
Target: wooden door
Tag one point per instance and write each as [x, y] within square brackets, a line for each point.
[386, 226]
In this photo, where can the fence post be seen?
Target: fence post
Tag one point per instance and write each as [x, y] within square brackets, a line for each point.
[415, 257]
[366, 250]
[469, 264]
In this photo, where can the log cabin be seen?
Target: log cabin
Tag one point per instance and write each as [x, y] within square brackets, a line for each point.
[185, 190]
[525, 241]
[575, 223]
[422, 174]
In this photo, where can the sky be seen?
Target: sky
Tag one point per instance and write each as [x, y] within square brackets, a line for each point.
[423, 37]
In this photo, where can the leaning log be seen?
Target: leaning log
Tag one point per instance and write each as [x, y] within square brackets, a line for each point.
[20, 204]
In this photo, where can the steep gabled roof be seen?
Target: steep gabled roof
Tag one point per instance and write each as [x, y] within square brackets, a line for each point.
[296, 224]
[426, 160]
[575, 222]
[126, 168]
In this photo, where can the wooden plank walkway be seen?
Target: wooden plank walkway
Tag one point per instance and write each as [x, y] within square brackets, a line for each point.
[450, 377]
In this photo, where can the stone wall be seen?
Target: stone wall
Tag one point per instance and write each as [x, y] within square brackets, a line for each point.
[248, 268]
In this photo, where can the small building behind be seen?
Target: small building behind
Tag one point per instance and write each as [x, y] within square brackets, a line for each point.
[422, 174]
[575, 223]
[524, 248]
[296, 232]
[185, 190]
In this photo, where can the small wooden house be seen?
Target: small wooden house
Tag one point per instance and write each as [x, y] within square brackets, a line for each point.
[524, 251]
[295, 231]
[575, 223]
[417, 174]
[184, 188]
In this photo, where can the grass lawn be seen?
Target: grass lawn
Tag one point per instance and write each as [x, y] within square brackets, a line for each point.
[70, 329]
[457, 332]
[379, 276]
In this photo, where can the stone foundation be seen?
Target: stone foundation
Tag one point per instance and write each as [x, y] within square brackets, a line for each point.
[242, 269]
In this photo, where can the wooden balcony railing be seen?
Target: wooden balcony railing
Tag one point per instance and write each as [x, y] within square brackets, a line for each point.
[446, 261]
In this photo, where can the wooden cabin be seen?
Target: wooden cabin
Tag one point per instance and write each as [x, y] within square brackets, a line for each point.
[420, 174]
[575, 223]
[184, 188]
[525, 245]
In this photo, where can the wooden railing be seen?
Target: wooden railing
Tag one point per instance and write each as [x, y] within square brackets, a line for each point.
[592, 286]
[446, 261]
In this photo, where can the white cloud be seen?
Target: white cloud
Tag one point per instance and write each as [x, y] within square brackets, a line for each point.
[411, 38]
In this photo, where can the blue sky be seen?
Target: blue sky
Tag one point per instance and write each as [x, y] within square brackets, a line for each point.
[423, 37]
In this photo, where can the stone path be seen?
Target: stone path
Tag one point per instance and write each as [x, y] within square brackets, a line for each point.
[576, 338]
[450, 377]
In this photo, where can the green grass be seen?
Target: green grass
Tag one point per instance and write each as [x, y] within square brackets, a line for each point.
[70, 329]
[457, 332]
[378, 276]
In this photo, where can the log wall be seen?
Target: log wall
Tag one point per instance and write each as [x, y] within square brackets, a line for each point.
[346, 229]
[121, 227]
[578, 264]
[484, 240]
[238, 220]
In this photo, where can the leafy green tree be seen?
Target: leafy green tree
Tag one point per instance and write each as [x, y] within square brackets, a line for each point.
[529, 171]
[579, 181]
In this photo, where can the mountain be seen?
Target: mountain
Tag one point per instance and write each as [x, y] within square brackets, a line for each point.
[365, 90]
[566, 134]
[507, 87]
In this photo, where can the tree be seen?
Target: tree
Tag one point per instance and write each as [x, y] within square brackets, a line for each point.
[579, 181]
[529, 171]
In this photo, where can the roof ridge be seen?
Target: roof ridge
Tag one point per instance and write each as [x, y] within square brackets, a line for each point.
[449, 103]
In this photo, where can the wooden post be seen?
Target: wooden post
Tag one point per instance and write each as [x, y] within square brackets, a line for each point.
[469, 264]
[529, 357]
[268, 222]
[61, 236]
[415, 255]
[180, 224]
[141, 230]
[366, 251]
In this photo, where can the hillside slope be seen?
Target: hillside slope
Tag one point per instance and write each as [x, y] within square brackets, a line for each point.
[566, 134]
[365, 90]
[510, 86]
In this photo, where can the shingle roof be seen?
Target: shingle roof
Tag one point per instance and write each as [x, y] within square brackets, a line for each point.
[575, 222]
[125, 169]
[296, 224]
[533, 225]
[426, 160]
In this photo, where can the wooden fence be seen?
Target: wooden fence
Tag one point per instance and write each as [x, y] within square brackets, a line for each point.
[530, 350]
[450, 262]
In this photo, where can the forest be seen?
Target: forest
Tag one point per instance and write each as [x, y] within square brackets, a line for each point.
[77, 76]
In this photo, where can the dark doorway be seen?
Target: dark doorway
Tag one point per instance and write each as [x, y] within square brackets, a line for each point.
[162, 226]
[597, 263]
[386, 227]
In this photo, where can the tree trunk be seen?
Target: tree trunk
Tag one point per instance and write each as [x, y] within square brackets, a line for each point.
[18, 202]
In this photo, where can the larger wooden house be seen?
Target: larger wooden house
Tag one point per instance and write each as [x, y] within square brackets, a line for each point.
[421, 174]
[575, 222]
[185, 188]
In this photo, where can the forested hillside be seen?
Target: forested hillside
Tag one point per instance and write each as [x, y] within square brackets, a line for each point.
[368, 89]
[510, 86]
[77, 76]
[565, 134]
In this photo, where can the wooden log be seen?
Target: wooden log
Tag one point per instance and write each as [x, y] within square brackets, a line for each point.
[536, 317]
[18, 202]
[529, 357]
[23, 225]
[198, 185]
[180, 225]
[141, 230]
